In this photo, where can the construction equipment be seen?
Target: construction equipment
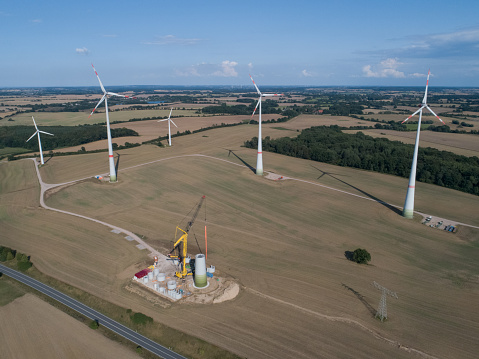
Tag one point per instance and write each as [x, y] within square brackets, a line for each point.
[182, 243]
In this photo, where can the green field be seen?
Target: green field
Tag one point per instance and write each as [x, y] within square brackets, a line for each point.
[8, 291]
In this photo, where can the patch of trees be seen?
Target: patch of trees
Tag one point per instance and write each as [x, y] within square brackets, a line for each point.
[141, 319]
[8, 254]
[64, 136]
[330, 145]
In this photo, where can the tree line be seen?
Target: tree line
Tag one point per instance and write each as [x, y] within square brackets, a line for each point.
[64, 136]
[330, 145]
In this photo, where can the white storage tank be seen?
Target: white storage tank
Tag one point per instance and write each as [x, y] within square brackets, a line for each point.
[161, 277]
[145, 279]
[150, 276]
[156, 271]
[171, 284]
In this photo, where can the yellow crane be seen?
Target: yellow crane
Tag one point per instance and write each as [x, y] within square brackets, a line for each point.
[182, 243]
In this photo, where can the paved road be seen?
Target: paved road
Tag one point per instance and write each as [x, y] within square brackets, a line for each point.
[93, 314]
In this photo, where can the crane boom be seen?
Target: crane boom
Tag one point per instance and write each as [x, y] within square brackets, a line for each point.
[183, 242]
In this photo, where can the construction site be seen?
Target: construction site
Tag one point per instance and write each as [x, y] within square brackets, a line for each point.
[177, 275]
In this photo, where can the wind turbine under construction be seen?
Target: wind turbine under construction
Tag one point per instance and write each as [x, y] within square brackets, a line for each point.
[408, 210]
[110, 148]
[169, 126]
[259, 160]
[37, 132]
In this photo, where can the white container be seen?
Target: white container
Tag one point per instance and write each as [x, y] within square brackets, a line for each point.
[175, 262]
[162, 290]
[150, 276]
[156, 271]
[145, 279]
[155, 286]
[187, 259]
[171, 284]
[211, 269]
[161, 277]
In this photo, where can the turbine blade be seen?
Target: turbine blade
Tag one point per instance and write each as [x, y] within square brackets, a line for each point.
[98, 104]
[115, 94]
[272, 94]
[257, 89]
[166, 119]
[47, 133]
[427, 84]
[169, 116]
[412, 115]
[96, 73]
[174, 123]
[35, 123]
[32, 136]
[434, 114]
[256, 107]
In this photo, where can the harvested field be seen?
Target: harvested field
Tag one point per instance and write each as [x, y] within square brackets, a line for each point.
[306, 121]
[81, 118]
[283, 241]
[32, 328]
[461, 144]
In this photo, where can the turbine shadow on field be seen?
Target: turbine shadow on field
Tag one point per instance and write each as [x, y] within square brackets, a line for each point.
[385, 204]
[361, 298]
[243, 161]
[117, 164]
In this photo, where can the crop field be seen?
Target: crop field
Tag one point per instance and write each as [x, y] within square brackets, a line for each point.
[284, 242]
[81, 118]
[32, 328]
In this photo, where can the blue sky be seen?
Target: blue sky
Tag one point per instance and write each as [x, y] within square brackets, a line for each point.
[351, 43]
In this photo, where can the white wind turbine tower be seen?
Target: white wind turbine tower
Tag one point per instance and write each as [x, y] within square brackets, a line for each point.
[37, 132]
[259, 160]
[169, 126]
[408, 210]
[110, 148]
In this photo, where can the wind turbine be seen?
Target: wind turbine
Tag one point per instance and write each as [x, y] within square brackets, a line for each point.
[37, 132]
[169, 126]
[408, 210]
[110, 148]
[259, 160]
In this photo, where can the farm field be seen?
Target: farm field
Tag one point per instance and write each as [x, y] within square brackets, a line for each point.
[81, 118]
[284, 241]
[461, 144]
[60, 336]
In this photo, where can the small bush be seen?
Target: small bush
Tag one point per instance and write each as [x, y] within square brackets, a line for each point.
[361, 256]
[23, 266]
[140, 318]
[94, 324]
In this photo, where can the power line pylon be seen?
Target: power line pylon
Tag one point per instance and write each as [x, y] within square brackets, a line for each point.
[382, 312]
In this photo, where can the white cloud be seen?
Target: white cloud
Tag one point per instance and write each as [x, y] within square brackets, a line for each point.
[171, 40]
[306, 73]
[386, 68]
[82, 51]
[250, 65]
[227, 69]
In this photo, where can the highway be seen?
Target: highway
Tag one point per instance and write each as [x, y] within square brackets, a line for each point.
[103, 320]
